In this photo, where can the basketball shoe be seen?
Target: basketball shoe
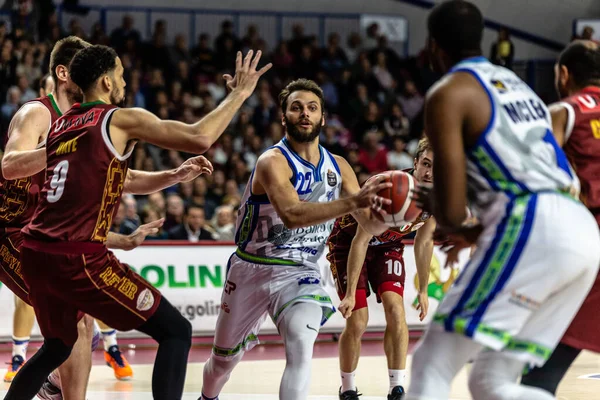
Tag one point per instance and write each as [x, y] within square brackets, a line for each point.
[15, 365]
[118, 363]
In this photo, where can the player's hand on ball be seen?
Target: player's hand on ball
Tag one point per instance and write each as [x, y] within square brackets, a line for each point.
[346, 306]
[192, 168]
[367, 196]
[139, 235]
[246, 76]
[422, 194]
[423, 305]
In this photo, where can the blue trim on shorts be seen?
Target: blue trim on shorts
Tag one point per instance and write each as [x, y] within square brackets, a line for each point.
[509, 268]
[481, 268]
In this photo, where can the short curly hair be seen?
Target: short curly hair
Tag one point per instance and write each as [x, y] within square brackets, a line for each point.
[90, 64]
[301, 85]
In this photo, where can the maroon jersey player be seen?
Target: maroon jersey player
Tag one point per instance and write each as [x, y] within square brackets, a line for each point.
[23, 168]
[576, 126]
[65, 261]
[359, 261]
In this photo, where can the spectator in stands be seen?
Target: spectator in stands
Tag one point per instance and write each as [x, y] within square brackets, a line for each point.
[174, 212]
[282, 61]
[232, 194]
[398, 158]
[587, 33]
[225, 35]
[223, 223]
[203, 57]
[124, 33]
[503, 50]
[411, 100]
[396, 124]
[265, 112]
[363, 73]
[13, 102]
[381, 72]
[180, 52]
[150, 214]
[8, 66]
[331, 141]
[305, 64]
[353, 47]
[157, 202]
[193, 226]
[98, 35]
[75, 29]
[298, 40]
[330, 93]
[250, 41]
[200, 196]
[372, 36]
[333, 58]
[371, 122]
[27, 93]
[359, 104]
[157, 52]
[373, 156]
[28, 67]
[120, 224]
[131, 209]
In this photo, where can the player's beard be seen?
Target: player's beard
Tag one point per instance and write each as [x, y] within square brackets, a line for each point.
[74, 95]
[116, 98]
[299, 135]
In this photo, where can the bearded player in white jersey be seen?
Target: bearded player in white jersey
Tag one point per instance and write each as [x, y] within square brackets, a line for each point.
[288, 209]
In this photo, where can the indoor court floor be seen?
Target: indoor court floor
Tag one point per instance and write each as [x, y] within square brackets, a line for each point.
[257, 377]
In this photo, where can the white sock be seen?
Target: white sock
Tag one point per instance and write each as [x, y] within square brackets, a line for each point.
[109, 336]
[54, 378]
[348, 381]
[397, 377]
[20, 346]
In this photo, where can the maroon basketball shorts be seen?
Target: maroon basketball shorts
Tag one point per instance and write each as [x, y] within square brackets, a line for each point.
[382, 271]
[10, 264]
[66, 283]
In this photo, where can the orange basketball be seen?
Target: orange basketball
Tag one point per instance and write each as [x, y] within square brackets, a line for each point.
[403, 209]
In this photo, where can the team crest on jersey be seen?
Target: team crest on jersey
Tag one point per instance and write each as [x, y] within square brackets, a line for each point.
[330, 195]
[331, 178]
[499, 85]
[278, 234]
[145, 300]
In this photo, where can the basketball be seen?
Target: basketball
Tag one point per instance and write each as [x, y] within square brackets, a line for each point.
[403, 209]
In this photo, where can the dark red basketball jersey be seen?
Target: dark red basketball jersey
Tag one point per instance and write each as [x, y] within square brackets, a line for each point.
[19, 197]
[345, 227]
[582, 144]
[84, 179]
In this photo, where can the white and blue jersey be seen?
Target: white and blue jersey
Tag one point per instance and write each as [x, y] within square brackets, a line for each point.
[534, 264]
[261, 235]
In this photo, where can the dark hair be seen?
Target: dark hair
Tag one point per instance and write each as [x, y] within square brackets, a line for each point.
[582, 59]
[457, 27]
[189, 206]
[90, 64]
[301, 85]
[63, 52]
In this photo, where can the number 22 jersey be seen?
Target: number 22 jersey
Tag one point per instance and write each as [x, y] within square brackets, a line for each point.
[85, 176]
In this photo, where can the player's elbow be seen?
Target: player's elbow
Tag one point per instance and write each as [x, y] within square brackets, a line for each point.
[290, 221]
[9, 172]
[200, 145]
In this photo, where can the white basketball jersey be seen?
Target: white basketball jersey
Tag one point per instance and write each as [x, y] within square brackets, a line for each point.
[261, 236]
[517, 154]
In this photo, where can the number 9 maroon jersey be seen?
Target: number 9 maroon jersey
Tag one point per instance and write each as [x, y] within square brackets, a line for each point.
[84, 178]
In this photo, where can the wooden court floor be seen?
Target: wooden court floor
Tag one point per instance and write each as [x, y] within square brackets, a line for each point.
[259, 379]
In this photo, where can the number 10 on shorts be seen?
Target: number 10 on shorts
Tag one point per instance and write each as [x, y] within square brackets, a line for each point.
[394, 267]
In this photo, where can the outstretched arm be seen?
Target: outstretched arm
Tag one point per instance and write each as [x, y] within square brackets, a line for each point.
[139, 124]
[129, 242]
[21, 158]
[143, 182]
[423, 253]
[272, 176]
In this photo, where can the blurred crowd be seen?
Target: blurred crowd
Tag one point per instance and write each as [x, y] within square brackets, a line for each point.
[373, 97]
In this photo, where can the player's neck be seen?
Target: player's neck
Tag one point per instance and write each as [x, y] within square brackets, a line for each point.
[62, 99]
[96, 97]
[308, 151]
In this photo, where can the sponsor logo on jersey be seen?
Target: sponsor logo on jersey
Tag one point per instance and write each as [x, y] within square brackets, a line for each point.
[330, 195]
[145, 300]
[278, 234]
[229, 287]
[225, 307]
[309, 280]
[523, 301]
[331, 178]
[499, 85]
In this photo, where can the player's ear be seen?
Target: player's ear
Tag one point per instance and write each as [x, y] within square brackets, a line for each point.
[107, 82]
[563, 75]
[323, 119]
[62, 72]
